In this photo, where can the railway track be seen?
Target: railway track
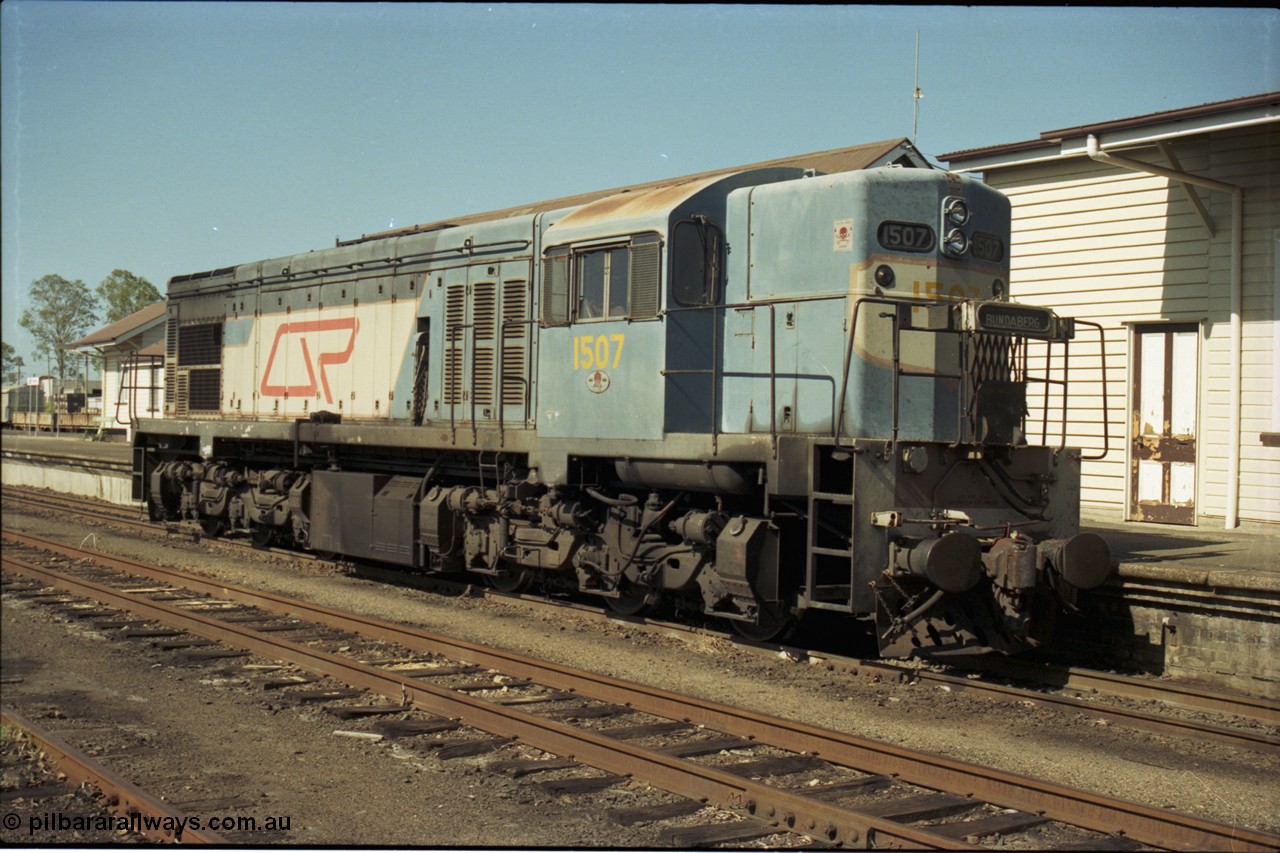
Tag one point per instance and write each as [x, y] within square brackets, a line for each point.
[1001, 680]
[615, 731]
[129, 517]
[152, 817]
[84, 506]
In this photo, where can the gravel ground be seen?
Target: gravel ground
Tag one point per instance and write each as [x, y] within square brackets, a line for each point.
[33, 790]
[290, 763]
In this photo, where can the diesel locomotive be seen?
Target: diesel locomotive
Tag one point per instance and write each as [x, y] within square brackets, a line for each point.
[752, 395]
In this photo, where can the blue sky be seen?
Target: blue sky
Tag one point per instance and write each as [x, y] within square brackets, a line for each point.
[167, 138]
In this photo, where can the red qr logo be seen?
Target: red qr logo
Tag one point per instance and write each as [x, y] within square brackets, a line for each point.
[289, 332]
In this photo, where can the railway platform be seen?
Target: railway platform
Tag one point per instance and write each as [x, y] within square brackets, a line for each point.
[76, 445]
[1196, 602]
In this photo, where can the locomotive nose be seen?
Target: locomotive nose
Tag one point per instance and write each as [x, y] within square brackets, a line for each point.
[1084, 560]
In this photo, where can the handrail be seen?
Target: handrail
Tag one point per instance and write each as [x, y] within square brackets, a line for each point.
[838, 431]
[1102, 360]
[502, 375]
[130, 367]
[451, 337]
[716, 369]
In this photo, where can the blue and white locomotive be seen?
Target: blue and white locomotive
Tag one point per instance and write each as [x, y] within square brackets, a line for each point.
[752, 395]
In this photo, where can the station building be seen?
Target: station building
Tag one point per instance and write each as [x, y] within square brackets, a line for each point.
[132, 351]
[1165, 229]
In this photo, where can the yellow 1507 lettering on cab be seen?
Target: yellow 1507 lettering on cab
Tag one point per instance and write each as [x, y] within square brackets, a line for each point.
[938, 290]
[591, 352]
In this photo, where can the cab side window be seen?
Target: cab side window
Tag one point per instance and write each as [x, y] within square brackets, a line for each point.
[695, 262]
[602, 282]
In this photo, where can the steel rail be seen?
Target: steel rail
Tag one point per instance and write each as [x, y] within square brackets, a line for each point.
[1266, 711]
[85, 506]
[1147, 825]
[786, 810]
[1260, 709]
[1263, 710]
[121, 515]
[1189, 698]
[124, 798]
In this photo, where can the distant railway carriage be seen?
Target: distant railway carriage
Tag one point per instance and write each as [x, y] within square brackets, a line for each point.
[754, 394]
[22, 400]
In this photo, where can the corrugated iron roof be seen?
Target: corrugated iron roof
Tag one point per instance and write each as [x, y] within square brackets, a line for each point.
[125, 326]
[1051, 137]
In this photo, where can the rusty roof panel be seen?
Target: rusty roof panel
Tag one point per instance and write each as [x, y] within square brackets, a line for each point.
[832, 160]
[635, 205]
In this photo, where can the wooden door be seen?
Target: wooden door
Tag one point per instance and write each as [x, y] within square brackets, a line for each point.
[1162, 474]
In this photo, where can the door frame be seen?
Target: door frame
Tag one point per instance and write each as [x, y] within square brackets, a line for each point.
[1167, 448]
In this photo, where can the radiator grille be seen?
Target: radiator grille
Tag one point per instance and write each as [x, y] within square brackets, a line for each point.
[515, 301]
[513, 374]
[180, 395]
[455, 336]
[515, 308]
[484, 311]
[171, 367]
[205, 390]
[482, 367]
[453, 376]
[193, 378]
[200, 345]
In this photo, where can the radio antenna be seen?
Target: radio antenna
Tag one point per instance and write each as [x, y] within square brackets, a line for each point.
[915, 123]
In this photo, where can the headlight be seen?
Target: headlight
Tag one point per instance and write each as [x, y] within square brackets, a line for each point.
[956, 243]
[956, 211]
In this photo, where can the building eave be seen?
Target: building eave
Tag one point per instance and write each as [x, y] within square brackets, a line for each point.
[1118, 135]
[124, 329]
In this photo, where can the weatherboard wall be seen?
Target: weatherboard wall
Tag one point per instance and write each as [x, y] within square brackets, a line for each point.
[1123, 248]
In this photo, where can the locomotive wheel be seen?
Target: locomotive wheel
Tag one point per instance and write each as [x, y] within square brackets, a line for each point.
[633, 599]
[510, 580]
[773, 624]
[261, 536]
[212, 527]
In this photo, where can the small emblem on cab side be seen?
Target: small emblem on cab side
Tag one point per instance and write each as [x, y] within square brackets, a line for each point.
[597, 382]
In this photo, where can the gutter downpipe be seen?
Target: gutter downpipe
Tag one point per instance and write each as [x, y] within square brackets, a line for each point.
[1237, 252]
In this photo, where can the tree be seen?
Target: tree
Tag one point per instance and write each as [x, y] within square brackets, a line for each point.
[61, 312]
[122, 293]
[13, 365]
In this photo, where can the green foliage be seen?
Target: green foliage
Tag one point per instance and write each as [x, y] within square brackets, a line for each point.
[11, 364]
[61, 312]
[122, 293]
